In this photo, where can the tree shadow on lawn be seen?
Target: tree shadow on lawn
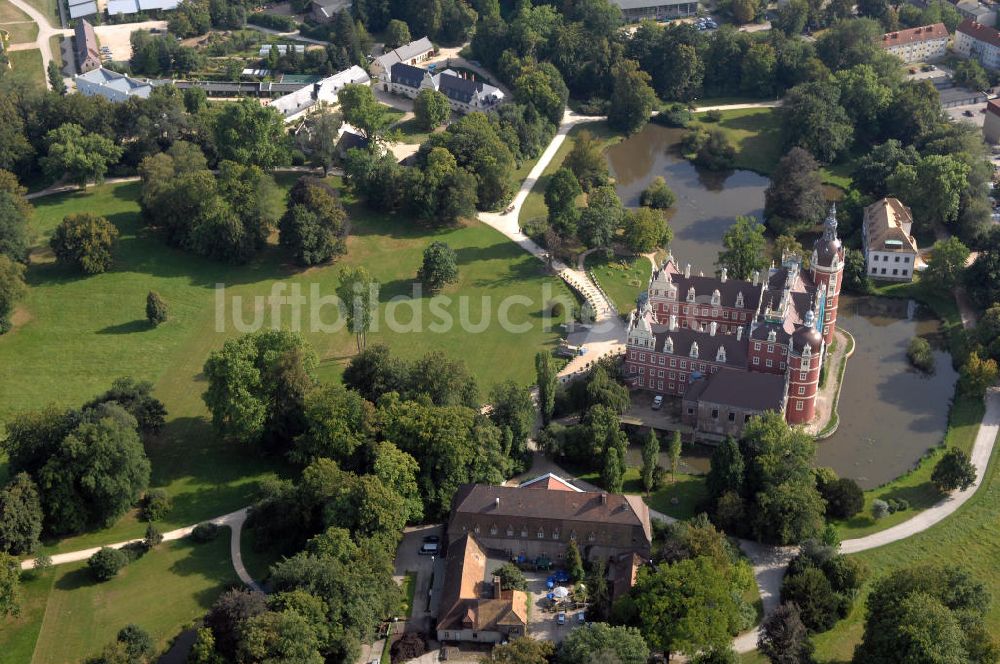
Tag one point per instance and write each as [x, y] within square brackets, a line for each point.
[138, 325]
[78, 578]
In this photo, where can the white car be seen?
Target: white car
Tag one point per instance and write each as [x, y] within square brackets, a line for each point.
[658, 402]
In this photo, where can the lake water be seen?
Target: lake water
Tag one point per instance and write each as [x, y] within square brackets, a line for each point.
[890, 414]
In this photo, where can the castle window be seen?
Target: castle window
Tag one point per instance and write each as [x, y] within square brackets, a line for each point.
[739, 299]
[725, 313]
[715, 297]
[798, 405]
[756, 345]
[732, 417]
[770, 362]
[524, 532]
[510, 531]
[572, 535]
[668, 347]
[659, 384]
[746, 418]
[659, 374]
[555, 534]
[715, 413]
[673, 362]
[671, 387]
[476, 529]
[592, 536]
[781, 366]
[671, 375]
[770, 348]
[642, 357]
[683, 364]
[690, 297]
[803, 375]
[771, 336]
[805, 362]
[802, 390]
[756, 360]
[493, 530]
[662, 361]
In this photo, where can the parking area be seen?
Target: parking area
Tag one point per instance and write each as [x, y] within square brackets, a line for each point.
[642, 413]
[427, 568]
[543, 623]
[971, 113]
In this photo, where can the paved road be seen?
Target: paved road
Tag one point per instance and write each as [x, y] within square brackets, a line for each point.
[45, 32]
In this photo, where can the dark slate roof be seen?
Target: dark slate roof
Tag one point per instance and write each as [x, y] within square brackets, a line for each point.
[587, 506]
[408, 75]
[708, 346]
[728, 290]
[748, 390]
[760, 333]
[459, 89]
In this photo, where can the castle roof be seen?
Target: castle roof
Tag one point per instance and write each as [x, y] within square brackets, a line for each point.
[883, 226]
[462, 604]
[747, 390]
[708, 344]
[807, 335]
[828, 247]
[704, 286]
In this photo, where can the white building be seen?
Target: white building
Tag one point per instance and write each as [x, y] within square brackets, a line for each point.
[111, 85]
[116, 7]
[977, 11]
[411, 54]
[635, 11]
[464, 92]
[296, 103]
[974, 40]
[890, 250]
[923, 44]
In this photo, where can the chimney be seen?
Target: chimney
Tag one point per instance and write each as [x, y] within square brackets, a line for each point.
[673, 321]
[687, 271]
[604, 499]
[712, 328]
[756, 277]
[739, 333]
[496, 587]
[497, 503]
[472, 76]
[723, 274]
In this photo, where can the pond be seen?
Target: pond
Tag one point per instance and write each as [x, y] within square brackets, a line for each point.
[890, 413]
[707, 202]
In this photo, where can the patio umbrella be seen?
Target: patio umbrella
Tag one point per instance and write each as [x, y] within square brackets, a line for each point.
[561, 592]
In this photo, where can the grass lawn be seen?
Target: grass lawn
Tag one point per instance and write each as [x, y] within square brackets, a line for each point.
[409, 590]
[412, 133]
[534, 205]
[18, 635]
[55, 44]
[689, 490]
[756, 133]
[162, 591]
[78, 333]
[17, 23]
[48, 8]
[26, 68]
[621, 278]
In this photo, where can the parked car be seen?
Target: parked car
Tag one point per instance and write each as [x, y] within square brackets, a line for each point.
[967, 114]
[581, 617]
[428, 549]
[658, 402]
[561, 618]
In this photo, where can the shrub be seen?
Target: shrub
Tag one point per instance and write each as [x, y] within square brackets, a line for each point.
[713, 116]
[205, 532]
[511, 577]
[658, 195]
[156, 308]
[155, 505]
[106, 563]
[153, 536]
[410, 646]
[812, 593]
[953, 471]
[675, 115]
[880, 509]
[844, 498]
[86, 242]
[558, 310]
[920, 355]
[138, 643]
[272, 21]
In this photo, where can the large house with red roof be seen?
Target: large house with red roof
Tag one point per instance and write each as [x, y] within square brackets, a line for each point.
[730, 349]
[922, 44]
[982, 42]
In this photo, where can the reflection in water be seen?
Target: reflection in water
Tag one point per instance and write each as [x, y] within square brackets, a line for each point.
[707, 202]
[890, 414]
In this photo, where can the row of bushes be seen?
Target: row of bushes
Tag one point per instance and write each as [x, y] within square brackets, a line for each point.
[107, 561]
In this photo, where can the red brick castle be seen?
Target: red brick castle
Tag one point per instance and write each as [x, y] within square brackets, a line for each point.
[730, 348]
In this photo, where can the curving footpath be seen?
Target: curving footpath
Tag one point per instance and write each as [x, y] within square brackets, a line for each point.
[234, 521]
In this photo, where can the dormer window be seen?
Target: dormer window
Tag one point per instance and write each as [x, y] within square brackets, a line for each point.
[476, 529]
[739, 299]
[694, 349]
[592, 536]
[690, 297]
[493, 530]
[524, 532]
[572, 535]
[806, 352]
[541, 534]
[716, 297]
[668, 345]
[555, 534]
[720, 356]
[772, 336]
[510, 531]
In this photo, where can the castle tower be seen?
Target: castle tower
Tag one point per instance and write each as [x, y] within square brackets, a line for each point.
[805, 357]
[828, 274]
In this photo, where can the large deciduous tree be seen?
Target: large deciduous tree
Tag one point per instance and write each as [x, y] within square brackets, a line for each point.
[946, 265]
[78, 155]
[646, 230]
[560, 199]
[953, 471]
[253, 135]
[599, 641]
[86, 242]
[783, 639]
[431, 109]
[587, 161]
[363, 111]
[314, 225]
[15, 216]
[12, 289]
[358, 292]
[744, 246]
[813, 119]
[632, 98]
[794, 200]
[20, 516]
[439, 267]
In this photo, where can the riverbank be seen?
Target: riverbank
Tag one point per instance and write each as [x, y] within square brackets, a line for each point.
[828, 396]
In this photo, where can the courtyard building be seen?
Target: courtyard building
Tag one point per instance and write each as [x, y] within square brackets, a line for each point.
[696, 338]
[88, 55]
[889, 247]
[465, 94]
[923, 44]
[414, 53]
[978, 41]
[111, 85]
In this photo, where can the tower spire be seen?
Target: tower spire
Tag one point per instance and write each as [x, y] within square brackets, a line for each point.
[830, 225]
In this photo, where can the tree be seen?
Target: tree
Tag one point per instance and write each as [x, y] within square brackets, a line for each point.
[431, 109]
[602, 217]
[650, 456]
[257, 385]
[522, 650]
[946, 265]
[812, 593]
[514, 413]
[787, 245]
[686, 606]
[156, 309]
[511, 577]
[794, 200]
[844, 498]
[875, 168]
[15, 215]
[922, 630]
[55, 78]
[541, 89]
[478, 147]
[77, 155]
[632, 98]
[599, 641]
[358, 293]
[977, 375]
[397, 33]
[783, 638]
[20, 516]
[560, 199]
[933, 187]
[12, 289]
[587, 162]
[726, 471]
[398, 470]
[743, 11]
[139, 645]
[613, 472]
[657, 195]
[137, 400]
[953, 471]
[253, 135]
[105, 564]
[646, 230]
[440, 266]
[545, 379]
[314, 225]
[363, 111]
[10, 585]
[674, 451]
[85, 241]
[744, 248]
[970, 74]
[321, 139]
[227, 615]
[813, 119]
[14, 145]
[712, 149]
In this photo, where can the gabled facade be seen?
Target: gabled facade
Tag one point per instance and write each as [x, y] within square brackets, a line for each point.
[978, 41]
[889, 246]
[921, 44]
[465, 94]
[88, 56]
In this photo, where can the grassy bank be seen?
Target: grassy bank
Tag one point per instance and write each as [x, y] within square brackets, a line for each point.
[621, 278]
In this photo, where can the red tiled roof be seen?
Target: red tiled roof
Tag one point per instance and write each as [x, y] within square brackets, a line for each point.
[923, 33]
[979, 31]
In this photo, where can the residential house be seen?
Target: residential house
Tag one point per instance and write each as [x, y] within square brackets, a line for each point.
[923, 44]
[465, 94]
[413, 53]
[324, 10]
[635, 11]
[111, 85]
[473, 608]
[977, 11]
[88, 55]
[975, 40]
[890, 250]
